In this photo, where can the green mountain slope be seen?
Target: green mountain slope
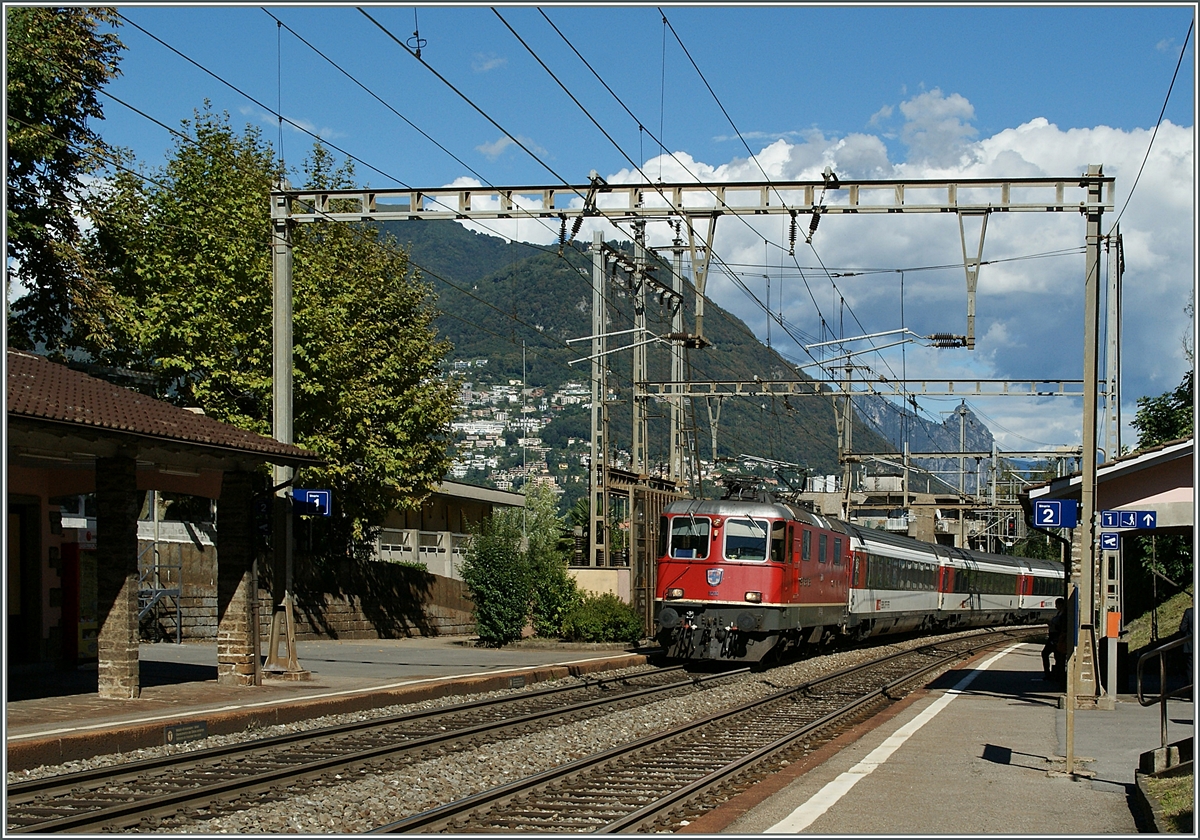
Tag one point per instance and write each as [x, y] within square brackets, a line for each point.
[517, 305]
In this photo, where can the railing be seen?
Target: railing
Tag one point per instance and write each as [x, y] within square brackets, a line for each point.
[1163, 693]
[152, 591]
[442, 552]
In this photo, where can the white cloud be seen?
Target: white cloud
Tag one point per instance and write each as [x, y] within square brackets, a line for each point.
[882, 114]
[495, 149]
[936, 127]
[483, 63]
[1029, 305]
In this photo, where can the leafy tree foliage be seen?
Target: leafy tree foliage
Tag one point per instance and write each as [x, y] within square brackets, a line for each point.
[1037, 545]
[516, 571]
[1166, 417]
[554, 592]
[498, 577]
[57, 61]
[189, 252]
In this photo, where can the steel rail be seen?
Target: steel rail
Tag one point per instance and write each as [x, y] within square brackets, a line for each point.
[444, 817]
[22, 790]
[718, 777]
[138, 808]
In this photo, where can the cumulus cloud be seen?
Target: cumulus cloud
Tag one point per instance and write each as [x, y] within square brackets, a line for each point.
[936, 127]
[1029, 306]
[874, 272]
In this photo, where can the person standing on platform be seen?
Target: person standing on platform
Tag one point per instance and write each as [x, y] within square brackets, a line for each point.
[1053, 643]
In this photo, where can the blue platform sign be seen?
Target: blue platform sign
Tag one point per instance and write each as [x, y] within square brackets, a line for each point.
[313, 502]
[1058, 513]
[1128, 518]
[1110, 542]
[1110, 519]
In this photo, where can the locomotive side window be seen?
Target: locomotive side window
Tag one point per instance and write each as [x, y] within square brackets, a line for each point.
[689, 537]
[777, 540]
[663, 533]
[837, 551]
[745, 539]
[822, 544]
[806, 545]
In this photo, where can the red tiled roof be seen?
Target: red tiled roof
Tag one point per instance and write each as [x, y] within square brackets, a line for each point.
[41, 389]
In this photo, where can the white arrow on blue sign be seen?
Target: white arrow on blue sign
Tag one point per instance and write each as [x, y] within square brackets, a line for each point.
[1147, 518]
[1110, 542]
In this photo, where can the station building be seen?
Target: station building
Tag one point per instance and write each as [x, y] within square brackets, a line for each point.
[96, 563]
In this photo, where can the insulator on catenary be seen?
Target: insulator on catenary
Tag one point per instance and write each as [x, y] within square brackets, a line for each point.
[792, 237]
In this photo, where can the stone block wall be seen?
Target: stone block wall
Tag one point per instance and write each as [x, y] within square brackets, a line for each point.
[375, 600]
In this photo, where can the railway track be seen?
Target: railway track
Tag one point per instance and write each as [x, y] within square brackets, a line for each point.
[207, 782]
[657, 782]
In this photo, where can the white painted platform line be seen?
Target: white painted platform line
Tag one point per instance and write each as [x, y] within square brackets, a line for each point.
[827, 797]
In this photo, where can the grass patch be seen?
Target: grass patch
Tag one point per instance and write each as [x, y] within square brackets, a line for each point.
[1169, 615]
[1176, 796]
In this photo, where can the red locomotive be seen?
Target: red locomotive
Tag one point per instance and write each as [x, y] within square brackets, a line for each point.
[738, 579]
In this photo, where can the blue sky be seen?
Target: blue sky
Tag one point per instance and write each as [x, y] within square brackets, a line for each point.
[874, 91]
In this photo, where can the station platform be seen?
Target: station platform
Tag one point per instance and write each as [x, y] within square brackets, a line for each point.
[980, 751]
[54, 717]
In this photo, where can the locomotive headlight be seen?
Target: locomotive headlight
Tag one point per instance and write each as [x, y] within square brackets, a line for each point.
[754, 597]
[675, 593]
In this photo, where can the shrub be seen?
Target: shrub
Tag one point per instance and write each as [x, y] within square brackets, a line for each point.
[498, 577]
[555, 594]
[602, 618]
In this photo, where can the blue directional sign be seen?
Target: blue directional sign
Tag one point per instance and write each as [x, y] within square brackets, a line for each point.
[313, 502]
[1058, 513]
[1144, 519]
[1110, 542]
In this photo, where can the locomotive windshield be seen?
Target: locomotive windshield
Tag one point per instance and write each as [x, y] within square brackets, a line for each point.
[745, 539]
[689, 537]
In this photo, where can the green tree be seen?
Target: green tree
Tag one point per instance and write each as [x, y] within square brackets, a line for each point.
[189, 252]
[497, 575]
[57, 61]
[1166, 417]
[554, 591]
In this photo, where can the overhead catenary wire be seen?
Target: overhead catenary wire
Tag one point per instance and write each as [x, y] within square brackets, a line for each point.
[236, 89]
[1182, 51]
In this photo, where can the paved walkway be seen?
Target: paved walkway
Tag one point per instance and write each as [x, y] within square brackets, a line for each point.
[979, 752]
[62, 718]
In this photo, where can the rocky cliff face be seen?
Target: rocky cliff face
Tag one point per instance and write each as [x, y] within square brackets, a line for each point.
[925, 435]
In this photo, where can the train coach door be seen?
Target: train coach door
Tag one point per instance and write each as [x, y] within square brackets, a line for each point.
[790, 565]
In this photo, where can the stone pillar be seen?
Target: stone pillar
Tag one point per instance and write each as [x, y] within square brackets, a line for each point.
[237, 583]
[118, 504]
